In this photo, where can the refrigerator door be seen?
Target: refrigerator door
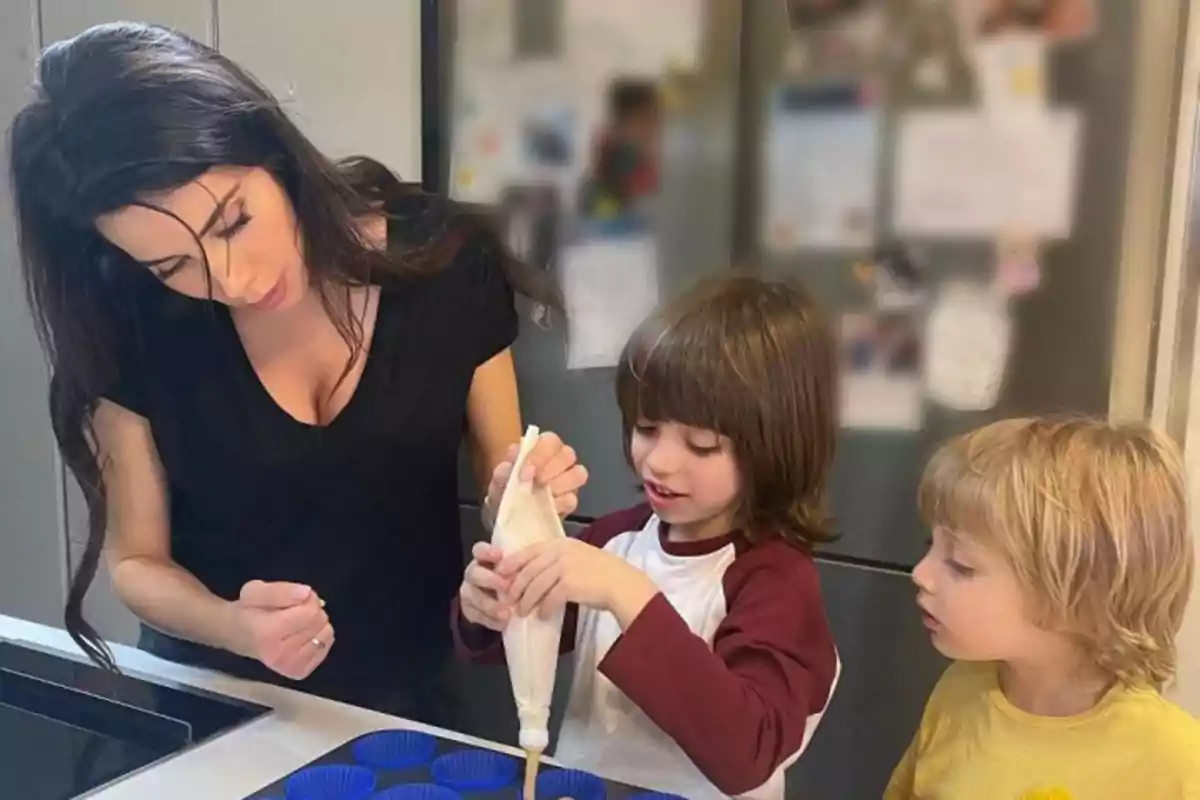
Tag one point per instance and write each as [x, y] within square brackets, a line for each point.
[1062, 333]
[694, 217]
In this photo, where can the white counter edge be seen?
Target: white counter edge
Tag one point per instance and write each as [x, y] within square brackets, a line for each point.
[244, 760]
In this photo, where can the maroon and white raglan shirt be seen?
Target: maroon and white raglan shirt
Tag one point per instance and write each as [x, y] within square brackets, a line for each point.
[716, 687]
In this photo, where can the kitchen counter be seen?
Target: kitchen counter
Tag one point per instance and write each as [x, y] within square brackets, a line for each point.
[244, 760]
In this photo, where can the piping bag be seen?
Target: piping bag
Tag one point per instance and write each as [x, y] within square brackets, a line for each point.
[527, 516]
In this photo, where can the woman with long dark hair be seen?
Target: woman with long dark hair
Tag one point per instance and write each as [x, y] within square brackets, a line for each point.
[263, 365]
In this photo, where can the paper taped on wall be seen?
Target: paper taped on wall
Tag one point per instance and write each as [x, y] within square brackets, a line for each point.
[609, 286]
[970, 174]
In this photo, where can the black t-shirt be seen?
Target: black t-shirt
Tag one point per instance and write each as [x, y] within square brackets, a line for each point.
[364, 510]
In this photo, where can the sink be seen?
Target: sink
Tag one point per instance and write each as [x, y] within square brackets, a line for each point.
[68, 728]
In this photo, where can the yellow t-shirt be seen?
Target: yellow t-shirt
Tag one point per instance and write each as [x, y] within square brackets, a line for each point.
[974, 745]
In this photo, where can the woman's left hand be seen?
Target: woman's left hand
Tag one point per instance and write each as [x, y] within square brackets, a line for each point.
[550, 463]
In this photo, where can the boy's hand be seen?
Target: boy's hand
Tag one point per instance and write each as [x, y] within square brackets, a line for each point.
[551, 463]
[549, 575]
[479, 595]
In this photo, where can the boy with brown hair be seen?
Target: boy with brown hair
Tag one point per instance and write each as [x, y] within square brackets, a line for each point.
[1057, 577]
[703, 656]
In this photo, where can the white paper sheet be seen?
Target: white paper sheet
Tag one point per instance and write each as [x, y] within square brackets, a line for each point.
[820, 179]
[967, 343]
[634, 37]
[970, 174]
[609, 287]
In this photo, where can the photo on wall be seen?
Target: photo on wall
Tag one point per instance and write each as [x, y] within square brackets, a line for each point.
[837, 42]
[881, 358]
[933, 63]
[820, 175]
[548, 135]
[622, 172]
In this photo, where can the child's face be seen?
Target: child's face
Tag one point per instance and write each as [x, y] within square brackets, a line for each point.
[972, 603]
[689, 474]
[643, 127]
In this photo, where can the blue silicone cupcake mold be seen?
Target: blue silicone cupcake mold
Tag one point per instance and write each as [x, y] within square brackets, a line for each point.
[334, 782]
[474, 771]
[573, 783]
[394, 749]
[418, 791]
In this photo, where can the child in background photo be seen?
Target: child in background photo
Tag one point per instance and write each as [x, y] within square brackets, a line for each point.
[624, 165]
[704, 659]
[1060, 566]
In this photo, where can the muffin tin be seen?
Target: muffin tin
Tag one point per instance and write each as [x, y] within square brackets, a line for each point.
[410, 765]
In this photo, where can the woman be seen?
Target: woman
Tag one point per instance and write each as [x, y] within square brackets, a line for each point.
[262, 367]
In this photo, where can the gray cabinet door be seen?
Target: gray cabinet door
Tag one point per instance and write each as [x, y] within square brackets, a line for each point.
[351, 78]
[62, 19]
[31, 541]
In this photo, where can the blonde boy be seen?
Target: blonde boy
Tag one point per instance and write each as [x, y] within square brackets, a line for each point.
[1057, 577]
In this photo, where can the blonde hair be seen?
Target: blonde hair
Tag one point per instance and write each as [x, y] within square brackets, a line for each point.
[1092, 517]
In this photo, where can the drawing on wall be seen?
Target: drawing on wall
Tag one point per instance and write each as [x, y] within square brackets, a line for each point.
[967, 346]
[485, 147]
[820, 177]
[480, 163]
[881, 371]
[513, 124]
[973, 175]
[1011, 72]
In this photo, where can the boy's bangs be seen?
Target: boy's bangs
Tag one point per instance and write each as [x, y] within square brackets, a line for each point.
[673, 374]
[959, 494]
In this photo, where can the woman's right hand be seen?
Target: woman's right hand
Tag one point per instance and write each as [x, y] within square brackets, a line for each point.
[478, 597]
[283, 625]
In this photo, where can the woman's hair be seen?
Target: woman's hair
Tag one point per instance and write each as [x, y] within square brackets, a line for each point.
[755, 361]
[1092, 517]
[124, 111]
